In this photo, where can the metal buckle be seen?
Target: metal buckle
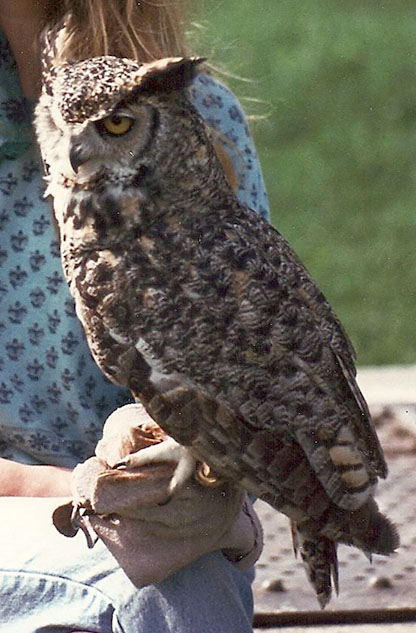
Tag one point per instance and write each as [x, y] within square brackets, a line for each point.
[80, 521]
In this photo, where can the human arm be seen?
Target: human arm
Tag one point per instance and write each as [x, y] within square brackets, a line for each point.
[28, 480]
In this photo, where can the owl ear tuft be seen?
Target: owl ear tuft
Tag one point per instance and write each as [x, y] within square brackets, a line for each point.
[169, 74]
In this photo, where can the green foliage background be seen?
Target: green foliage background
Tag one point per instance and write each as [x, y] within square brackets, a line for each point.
[337, 80]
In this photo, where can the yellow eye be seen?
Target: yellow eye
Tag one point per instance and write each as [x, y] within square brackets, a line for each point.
[116, 124]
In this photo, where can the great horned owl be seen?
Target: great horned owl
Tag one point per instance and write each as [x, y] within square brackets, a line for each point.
[202, 309]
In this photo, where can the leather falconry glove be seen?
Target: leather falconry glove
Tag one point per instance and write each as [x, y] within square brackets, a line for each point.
[150, 532]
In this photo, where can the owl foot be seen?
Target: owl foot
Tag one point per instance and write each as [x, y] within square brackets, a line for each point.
[167, 451]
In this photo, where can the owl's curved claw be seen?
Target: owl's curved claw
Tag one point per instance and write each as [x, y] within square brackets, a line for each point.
[206, 476]
[167, 451]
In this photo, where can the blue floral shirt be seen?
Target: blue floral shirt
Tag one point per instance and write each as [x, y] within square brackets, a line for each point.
[53, 397]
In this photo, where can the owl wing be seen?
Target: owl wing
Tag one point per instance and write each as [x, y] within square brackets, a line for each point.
[241, 441]
[235, 353]
[246, 357]
[330, 330]
[332, 334]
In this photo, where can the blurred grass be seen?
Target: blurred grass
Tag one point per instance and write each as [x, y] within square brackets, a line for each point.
[337, 82]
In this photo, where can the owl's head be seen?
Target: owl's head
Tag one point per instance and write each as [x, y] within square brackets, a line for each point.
[115, 116]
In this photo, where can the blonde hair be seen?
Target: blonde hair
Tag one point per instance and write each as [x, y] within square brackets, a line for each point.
[145, 30]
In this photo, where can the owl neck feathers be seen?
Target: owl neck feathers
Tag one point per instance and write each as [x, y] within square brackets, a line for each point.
[112, 210]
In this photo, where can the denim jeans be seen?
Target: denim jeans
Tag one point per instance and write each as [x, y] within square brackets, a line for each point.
[50, 584]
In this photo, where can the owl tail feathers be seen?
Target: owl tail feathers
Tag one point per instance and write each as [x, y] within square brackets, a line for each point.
[373, 532]
[367, 529]
[319, 556]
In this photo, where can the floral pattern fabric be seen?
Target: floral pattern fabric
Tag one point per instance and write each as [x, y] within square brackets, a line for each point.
[53, 397]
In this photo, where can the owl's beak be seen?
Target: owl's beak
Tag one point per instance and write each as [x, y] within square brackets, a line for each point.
[78, 155]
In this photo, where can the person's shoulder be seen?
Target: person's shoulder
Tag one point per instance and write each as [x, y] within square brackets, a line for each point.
[223, 113]
[216, 102]
[221, 110]
[205, 82]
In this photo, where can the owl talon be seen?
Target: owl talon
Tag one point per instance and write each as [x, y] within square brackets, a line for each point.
[206, 476]
[120, 465]
[167, 451]
[184, 470]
